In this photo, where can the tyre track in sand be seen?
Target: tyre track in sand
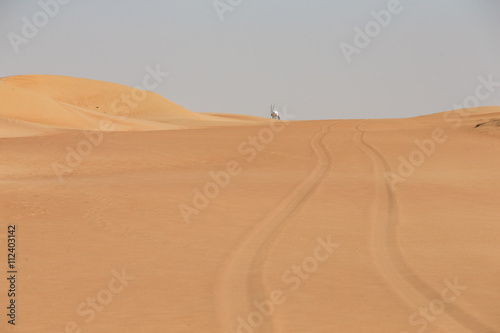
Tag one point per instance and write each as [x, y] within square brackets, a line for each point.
[388, 254]
[233, 296]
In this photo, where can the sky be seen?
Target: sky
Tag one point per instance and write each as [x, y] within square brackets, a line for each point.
[321, 59]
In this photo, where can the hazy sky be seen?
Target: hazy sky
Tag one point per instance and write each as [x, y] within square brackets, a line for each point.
[425, 58]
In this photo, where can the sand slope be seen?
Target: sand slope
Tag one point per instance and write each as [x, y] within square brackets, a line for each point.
[348, 225]
[73, 103]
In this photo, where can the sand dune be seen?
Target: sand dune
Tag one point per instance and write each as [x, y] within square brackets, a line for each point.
[387, 225]
[73, 103]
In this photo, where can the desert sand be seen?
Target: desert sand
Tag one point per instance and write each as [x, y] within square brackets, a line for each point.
[134, 214]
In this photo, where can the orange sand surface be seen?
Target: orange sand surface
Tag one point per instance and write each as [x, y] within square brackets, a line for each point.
[142, 216]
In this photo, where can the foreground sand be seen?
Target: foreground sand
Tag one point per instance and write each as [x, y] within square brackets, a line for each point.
[317, 226]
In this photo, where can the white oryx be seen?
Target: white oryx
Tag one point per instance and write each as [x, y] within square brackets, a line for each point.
[274, 112]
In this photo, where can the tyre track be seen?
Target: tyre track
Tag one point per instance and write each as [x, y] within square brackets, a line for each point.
[258, 263]
[233, 295]
[388, 255]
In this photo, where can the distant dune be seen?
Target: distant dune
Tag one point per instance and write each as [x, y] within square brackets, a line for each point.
[64, 102]
[134, 214]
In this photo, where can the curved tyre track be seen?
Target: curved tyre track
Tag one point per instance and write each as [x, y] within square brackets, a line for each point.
[262, 255]
[233, 295]
[388, 255]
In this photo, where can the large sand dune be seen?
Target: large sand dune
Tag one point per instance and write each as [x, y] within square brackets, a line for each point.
[171, 221]
[72, 103]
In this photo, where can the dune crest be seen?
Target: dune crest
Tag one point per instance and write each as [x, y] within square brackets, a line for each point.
[62, 102]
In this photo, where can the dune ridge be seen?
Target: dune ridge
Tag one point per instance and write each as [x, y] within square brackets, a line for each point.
[63, 102]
